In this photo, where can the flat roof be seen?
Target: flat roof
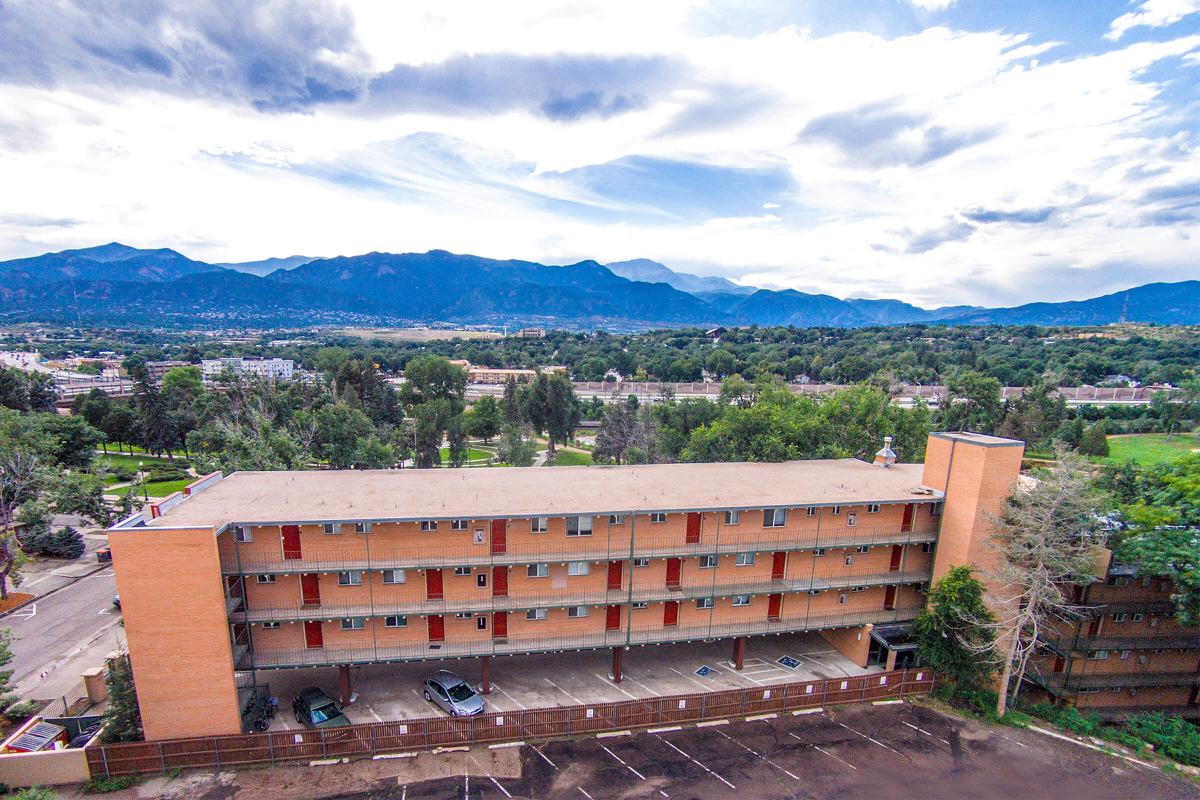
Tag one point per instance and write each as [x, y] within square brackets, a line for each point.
[982, 439]
[266, 498]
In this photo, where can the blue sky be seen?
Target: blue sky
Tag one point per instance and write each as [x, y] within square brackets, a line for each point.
[939, 151]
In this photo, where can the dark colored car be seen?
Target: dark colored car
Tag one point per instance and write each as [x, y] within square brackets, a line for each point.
[454, 695]
[315, 709]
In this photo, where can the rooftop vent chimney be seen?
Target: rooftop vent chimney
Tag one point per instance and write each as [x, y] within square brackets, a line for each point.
[886, 457]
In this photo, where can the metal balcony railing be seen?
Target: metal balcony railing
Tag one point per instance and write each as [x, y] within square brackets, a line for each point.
[1084, 644]
[376, 607]
[425, 651]
[1062, 682]
[381, 551]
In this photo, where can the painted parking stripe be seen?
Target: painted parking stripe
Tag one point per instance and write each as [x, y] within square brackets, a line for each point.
[545, 757]
[787, 772]
[564, 691]
[518, 703]
[609, 682]
[644, 686]
[621, 761]
[498, 786]
[585, 794]
[690, 678]
[697, 763]
[943, 741]
[876, 741]
[835, 758]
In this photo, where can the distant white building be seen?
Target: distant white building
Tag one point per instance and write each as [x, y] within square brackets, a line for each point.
[275, 369]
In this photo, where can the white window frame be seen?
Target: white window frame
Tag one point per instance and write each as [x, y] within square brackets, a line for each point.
[704, 603]
[872, 508]
[242, 534]
[616, 519]
[266, 578]
[851, 520]
[709, 561]
[578, 528]
[811, 511]
[1098, 655]
[842, 598]
[462, 572]
[429, 525]
[331, 528]
[858, 588]
[638, 605]
[270, 626]
[641, 561]
[481, 622]
[578, 568]
[353, 623]
[539, 524]
[848, 561]
[740, 600]
[835, 511]
[537, 614]
[745, 559]
[460, 524]
[362, 527]
[819, 551]
[733, 517]
[577, 612]
[394, 576]
[774, 517]
[350, 577]
[658, 517]
[863, 549]
[538, 571]
[395, 621]
[814, 592]
[462, 615]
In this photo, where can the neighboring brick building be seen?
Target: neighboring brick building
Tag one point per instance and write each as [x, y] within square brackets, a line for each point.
[270, 570]
[1126, 654]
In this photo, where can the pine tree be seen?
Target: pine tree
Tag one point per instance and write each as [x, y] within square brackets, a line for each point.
[953, 629]
[66, 542]
[123, 718]
[1094, 442]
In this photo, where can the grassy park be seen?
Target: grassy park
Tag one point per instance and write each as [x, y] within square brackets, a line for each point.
[1151, 448]
[570, 458]
[155, 488]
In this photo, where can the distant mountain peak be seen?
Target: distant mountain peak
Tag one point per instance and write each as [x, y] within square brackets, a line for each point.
[648, 271]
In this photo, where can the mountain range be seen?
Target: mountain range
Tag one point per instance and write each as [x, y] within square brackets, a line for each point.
[122, 285]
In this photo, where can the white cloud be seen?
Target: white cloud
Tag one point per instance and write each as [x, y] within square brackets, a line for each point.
[932, 5]
[1152, 14]
[971, 135]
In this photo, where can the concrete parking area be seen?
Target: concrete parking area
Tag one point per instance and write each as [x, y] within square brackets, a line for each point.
[390, 692]
[893, 751]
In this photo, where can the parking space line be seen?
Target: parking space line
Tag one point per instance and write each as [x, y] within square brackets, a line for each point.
[585, 794]
[697, 763]
[621, 761]
[940, 739]
[876, 741]
[644, 686]
[831, 755]
[376, 716]
[545, 757]
[608, 682]
[520, 705]
[564, 691]
[787, 772]
[498, 786]
[690, 678]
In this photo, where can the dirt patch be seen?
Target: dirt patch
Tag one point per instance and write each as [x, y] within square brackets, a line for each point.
[13, 600]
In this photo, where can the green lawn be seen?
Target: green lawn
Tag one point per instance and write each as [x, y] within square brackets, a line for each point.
[156, 488]
[569, 458]
[131, 462]
[473, 454]
[1151, 448]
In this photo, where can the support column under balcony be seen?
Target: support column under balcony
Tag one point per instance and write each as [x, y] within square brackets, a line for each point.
[739, 653]
[344, 683]
[485, 683]
[617, 654]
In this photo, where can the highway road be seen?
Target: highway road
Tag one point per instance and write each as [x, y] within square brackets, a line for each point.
[62, 633]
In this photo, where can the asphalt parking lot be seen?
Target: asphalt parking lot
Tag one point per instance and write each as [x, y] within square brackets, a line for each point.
[893, 751]
[388, 692]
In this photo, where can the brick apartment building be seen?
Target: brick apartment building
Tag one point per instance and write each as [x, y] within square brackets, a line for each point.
[1126, 654]
[271, 570]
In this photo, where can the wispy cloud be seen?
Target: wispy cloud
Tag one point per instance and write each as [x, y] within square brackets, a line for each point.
[1152, 14]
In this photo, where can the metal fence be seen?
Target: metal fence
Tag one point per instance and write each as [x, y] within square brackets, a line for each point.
[357, 741]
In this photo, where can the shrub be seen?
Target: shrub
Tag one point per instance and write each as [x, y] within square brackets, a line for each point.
[66, 542]
[103, 785]
[1070, 718]
[1170, 735]
[19, 712]
[35, 793]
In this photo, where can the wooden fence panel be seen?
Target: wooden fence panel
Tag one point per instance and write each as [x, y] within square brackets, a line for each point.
[429, 732]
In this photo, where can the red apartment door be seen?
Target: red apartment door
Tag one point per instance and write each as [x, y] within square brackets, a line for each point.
[778, 566]
[291, 542]
[312, 635]
[889, 598]
[433, 585]
[310, 589]
[674, 568]
[437, 628]
[499, 581]
[500, 625]
[693, 527]
[499, 536]
[906, 524]
[612, 620]
[670, 613]
[1094, 626]
[774, 606]
[614, 575]
[1059, 664]
[897, 557]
